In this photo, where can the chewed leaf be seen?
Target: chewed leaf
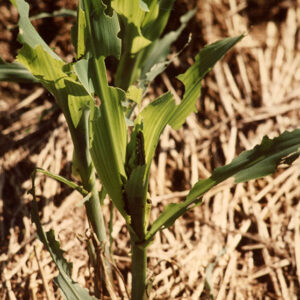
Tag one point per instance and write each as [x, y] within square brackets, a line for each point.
[58, 78]
[78, 34]
[27, 33]
[81, 67]
[156, 19]
[101, 29]
[191, 79]
[108, 148]
[156, 62]
[263, 159]
[163, 110]
[134, 94]
[132, 15]
[71, 289]
[258, 162]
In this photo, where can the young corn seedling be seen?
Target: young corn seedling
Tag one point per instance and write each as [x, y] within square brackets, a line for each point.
[117, 139]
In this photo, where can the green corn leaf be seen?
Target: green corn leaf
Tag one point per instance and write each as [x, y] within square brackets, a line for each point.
[81, 67]
[78, 33]
[261, 161]
[15, 72]
[144, 6]
[156, 19]
[156, 61]
[61, 179]
[70, 289]
[134, 94]
[46, 69]
[140, 151]
[139, 29]
[78, 102]
[27, 33]
[63, 12]
[59, 79]
[163, 111]
[109, 131]
[155, 117]
[132, 16]
[101, 29]
[136, 197]
[191, 79]
[108, 148]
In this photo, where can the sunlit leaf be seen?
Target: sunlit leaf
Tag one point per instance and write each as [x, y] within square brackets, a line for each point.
[144, 6]
[70, 289]
[102, 29]
[163, 110]
[191, 79]
[156, 61]
[109, 131]
[156, 19]
[78, 34]
[258, 162]
[27, 33]
[155, 117]
[134, 94]
[55, 76]
[108, 148]
[132, 16]
[81, 68]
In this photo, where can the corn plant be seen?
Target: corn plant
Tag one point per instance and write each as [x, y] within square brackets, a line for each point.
[116, 139]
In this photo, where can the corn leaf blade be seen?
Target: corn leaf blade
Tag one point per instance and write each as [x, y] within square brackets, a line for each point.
[140, 151]
[108, 147]
[27, 33]
[15, 72]
[81, 68]
[191, 79]
[78, 33]
[60, 80]
[61, 179]
[163, 111]
[156, 61]
[155, 117]
[258, 162]
[101, 29]
[57, 77]
[63, 12]
[132, 15]
[108, 128]
[136, 198]
[156, 18]
[70, 289]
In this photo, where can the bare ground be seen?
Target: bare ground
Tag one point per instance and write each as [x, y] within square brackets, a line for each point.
[244, 241]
